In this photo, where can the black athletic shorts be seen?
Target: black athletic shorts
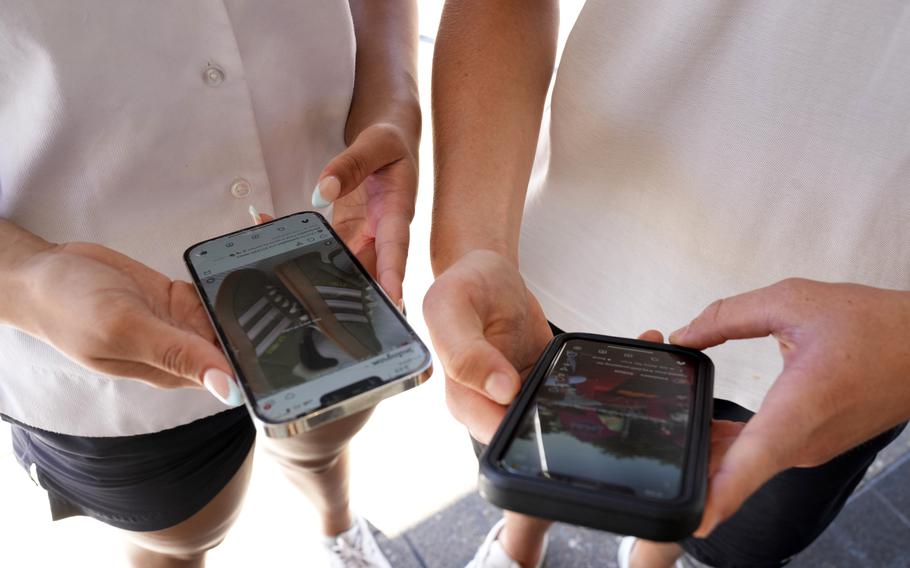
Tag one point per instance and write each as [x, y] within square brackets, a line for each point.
[140, 483]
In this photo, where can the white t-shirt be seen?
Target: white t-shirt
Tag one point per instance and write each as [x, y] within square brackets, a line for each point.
[147, 127]
[697, 150]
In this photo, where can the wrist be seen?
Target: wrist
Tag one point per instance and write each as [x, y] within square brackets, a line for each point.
[402, 112]
[446, 250]
[18, 248]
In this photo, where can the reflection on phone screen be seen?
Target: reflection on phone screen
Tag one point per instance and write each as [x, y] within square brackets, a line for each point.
[301, 319]
[611, 416]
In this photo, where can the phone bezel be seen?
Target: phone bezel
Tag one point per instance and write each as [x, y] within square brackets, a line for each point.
[601, 508]
[314, 418]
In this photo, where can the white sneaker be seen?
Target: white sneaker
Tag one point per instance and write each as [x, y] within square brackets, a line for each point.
[491, 554]
[355, 548]
[624, 554]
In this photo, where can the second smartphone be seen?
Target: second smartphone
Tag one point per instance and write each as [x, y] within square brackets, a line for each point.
[609, 433]
[311, 336]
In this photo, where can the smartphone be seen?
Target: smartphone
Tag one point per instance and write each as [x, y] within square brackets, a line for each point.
[311, 336]
[608, 433]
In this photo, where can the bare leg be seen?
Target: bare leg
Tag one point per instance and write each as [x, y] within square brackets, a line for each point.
[184, 545]
[317, 464]
[522, 538]
[649, 554]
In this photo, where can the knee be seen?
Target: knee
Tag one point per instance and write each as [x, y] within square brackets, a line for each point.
[192, 538]
[293, 455]
[174, 549]
[768, 546]
[318, 450]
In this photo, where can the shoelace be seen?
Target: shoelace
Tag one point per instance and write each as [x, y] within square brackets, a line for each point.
[351, 553]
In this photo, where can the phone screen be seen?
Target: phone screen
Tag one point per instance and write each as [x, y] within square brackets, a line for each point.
[305, 325]
[609, 416]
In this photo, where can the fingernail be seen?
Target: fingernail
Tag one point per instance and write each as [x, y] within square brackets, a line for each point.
[223, 387]
[326, 192]
[401, 308]
[500, 388]
[677, 335]
[254, 213]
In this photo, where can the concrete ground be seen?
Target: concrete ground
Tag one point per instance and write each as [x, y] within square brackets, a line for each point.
[414, 474]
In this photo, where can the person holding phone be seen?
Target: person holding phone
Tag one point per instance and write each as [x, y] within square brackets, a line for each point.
[131, 131]
[689, 151]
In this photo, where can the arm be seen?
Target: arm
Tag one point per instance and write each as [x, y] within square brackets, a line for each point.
[385, 89]
[109, 313]
[374, 182]
[16, 246]
[492, 66]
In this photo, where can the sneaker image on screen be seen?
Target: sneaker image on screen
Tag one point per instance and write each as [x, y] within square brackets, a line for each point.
[328, 285]
[285, 328]
[273, 336]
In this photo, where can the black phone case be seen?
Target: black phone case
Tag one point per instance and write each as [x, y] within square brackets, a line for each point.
[600, 508]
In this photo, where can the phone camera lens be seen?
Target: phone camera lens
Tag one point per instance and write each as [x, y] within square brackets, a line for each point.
[306, 220]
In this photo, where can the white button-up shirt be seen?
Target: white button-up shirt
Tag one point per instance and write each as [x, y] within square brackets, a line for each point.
[146, 127]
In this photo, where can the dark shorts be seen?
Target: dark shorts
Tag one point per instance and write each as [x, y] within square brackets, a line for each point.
[790, 511]
[138, 483]
[786, 514]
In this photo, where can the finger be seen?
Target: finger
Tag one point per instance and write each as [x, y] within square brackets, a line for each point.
[373, 149]
[652, 335]
[143, 373]
[750, 460]
[723, 434]
[186, 355]
[481, 415]
[392, 238]
[366, 254]
[737, 317]
[457, 331]
[259, 218]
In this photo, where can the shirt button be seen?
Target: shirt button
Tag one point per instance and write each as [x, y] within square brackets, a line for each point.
[213, 75]
[240, 188]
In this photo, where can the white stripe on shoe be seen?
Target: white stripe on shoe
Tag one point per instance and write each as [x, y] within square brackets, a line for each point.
[262, 323]
[272, 336]
[337, 291]
[254, 309]
[344, 305]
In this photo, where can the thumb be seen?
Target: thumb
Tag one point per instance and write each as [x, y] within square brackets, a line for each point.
[456, 329]
[373, 149]
[187, 355]
[749, 463]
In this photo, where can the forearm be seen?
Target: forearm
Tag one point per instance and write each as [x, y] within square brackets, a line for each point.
[385, 86]
[17, 246]
[492, 66]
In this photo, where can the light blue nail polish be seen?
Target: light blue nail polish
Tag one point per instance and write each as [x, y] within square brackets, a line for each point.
[234, 397]
[318, 201]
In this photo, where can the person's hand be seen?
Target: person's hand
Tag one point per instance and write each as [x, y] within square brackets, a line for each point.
[846, 379]
[488, 331]
[117, 316]
[373, 185]
[723, 432]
